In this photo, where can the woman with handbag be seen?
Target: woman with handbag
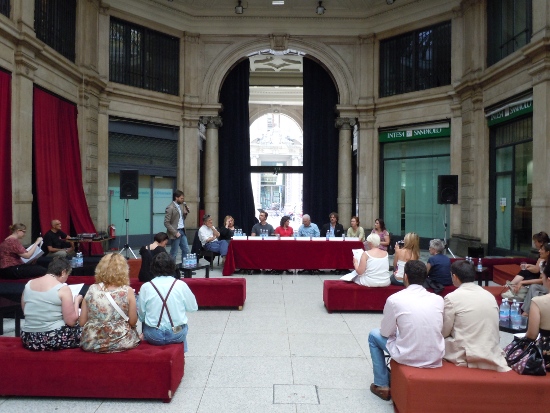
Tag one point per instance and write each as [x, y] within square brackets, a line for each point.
[539, 319]
[163, 303]
[108, 314]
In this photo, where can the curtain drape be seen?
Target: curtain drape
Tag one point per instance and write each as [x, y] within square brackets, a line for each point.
[320, 143]
[236, 197]
[5, 153]
[57, 166]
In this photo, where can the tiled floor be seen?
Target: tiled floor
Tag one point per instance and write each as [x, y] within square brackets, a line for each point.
[282, 353]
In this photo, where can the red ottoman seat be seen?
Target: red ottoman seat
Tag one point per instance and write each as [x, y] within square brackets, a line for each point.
[213, 292]
[503, 273]
[346, 296]
[146, 372]
[462, 390]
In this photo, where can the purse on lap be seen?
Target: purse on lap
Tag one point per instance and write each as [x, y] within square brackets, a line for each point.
[524, 356]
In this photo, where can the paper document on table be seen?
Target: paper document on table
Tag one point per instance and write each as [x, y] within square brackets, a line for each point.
[37, 253]
[75, 289]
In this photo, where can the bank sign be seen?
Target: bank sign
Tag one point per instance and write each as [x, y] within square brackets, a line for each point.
[511, 112]
[414, 134]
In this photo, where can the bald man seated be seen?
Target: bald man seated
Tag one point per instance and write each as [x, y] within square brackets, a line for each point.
[55, 244]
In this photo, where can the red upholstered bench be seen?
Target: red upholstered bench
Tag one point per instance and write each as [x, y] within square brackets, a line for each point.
[503, 273]
[213, 292]
[492, 262]
[146, 372]
[346, 296]
[460, 389]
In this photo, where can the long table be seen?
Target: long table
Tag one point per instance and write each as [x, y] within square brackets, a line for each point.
[289, 254]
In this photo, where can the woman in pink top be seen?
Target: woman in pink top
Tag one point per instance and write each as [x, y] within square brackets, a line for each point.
[11, 252]
[284, 230]
[380, 230]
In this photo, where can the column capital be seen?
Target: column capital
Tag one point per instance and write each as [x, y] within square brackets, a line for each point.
[211, 122]
[345, 123]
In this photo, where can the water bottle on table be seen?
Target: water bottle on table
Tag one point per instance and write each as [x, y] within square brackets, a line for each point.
[504, 313]
[515, 315]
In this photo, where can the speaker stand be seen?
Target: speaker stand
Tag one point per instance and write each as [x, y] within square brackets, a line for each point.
[445, 225]
[127, 245]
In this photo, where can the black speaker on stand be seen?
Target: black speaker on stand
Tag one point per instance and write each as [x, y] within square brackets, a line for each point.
[447, 193]
[129, 189]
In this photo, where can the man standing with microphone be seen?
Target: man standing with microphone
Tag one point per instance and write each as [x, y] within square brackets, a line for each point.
[174, 221]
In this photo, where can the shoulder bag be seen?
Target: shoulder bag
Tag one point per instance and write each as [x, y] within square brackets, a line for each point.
[524, 356]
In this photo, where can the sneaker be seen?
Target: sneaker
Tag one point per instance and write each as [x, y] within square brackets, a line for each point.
[381, 391]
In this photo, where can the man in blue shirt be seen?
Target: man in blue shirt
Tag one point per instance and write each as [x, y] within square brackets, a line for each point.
[438, 266]
[308, 228]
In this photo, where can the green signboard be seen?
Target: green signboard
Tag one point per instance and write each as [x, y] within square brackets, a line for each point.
[414, 134]
[510, 112]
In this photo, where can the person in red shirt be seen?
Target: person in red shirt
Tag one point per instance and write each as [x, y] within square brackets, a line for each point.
[284, 230]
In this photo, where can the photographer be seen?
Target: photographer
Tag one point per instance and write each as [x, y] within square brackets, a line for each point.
[406, 250]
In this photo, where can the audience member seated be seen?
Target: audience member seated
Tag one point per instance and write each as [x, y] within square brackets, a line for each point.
[409, 250]
[147, 253]
[208, 235]
[382, 232]
[51, 314]
[228, 229]
[163, 303]
[11, 251]
[438, 266]
[109, 314]
[333, 228]
[262, 226]
[470, 323]
[539, 239]
[373, 268]
[284, 229]
[536, 286]
[55, 244]
[539, 318]
[528, 275]
[410, 329]
[355, 230]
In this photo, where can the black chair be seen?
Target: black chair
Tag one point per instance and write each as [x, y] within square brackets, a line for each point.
[10, 309]
[197, 249]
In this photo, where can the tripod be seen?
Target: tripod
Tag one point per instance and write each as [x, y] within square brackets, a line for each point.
[127, 245]
[445, 236]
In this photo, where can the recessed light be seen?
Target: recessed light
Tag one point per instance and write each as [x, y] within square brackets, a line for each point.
[278, 2]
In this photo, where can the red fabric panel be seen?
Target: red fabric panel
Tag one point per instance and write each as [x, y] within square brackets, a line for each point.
[155, 372]
[284, 255]
[463, 390]
[58, 172]
[5, 153]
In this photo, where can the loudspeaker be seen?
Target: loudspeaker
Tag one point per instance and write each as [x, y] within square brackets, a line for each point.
[129, 184]
[447, 189]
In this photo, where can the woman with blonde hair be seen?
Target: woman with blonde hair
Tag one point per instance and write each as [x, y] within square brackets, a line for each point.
[228, 229]
[409, 250]
[109, 312]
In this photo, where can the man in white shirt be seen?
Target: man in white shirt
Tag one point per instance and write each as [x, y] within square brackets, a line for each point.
[470, 323]
[410, 330]
[208, 235]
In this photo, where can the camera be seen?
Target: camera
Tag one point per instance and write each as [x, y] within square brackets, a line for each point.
[401, 243]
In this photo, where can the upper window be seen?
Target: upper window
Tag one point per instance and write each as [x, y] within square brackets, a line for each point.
[508, 27]
[143, 58]
[5, 7]
[55, 25]
[416, 60]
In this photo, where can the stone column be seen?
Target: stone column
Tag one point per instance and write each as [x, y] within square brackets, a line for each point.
[211, 173]
[189, 182]
[344, 168]
[21, 137]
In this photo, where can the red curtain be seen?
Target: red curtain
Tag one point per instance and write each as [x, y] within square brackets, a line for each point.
[57, 166]
[5, 153]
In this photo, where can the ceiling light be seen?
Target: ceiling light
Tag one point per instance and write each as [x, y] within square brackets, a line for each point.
[320, 9]
[239, 8]
[278, 2]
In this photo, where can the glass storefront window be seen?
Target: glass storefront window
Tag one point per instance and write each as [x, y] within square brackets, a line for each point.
[410, 186]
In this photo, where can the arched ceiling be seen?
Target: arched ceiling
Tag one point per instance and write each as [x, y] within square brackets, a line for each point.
[290, 8]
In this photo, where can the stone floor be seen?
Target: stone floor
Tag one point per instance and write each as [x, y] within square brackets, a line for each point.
[282, 353]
